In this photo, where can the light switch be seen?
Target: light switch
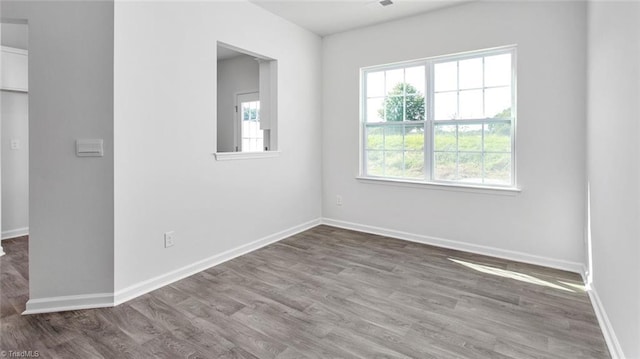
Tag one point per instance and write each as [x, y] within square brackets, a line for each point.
[15, 144]
[89, 148]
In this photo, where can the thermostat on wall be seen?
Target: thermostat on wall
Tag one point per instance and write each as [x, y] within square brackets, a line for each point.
[89, 148]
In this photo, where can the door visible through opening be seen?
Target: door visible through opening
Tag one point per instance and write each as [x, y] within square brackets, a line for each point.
[249, 138]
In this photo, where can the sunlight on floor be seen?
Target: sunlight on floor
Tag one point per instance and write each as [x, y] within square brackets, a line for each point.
[505, 273]
[577, 286]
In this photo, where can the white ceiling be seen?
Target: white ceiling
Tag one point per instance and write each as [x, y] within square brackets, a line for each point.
[329, 17]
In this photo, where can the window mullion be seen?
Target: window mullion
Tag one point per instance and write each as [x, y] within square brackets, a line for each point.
[482, 151]
[429, 137]
[484, 114]
[457, 90]
[404, 119]
[457, 152]
[385, 97]
[363, 125]
[384, 162]
[513, 118]
[363, 149]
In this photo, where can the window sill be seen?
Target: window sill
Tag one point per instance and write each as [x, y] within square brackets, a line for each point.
[456, 187]
[230, 156]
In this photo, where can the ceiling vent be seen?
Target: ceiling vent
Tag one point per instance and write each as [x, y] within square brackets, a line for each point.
[386, 2]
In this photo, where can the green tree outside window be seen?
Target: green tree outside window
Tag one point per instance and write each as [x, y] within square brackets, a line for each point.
[402, 96]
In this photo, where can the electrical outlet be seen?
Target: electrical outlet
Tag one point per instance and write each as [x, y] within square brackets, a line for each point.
[338, 200]
[169, 238]
[15, 144]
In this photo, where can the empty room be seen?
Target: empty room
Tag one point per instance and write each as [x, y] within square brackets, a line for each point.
[320, 179]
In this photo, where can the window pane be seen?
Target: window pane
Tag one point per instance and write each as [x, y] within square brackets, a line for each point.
[414, 77]
[245, 129]
[375, 110]
[414, 137]
[374, 138]
[470, 73]
[375, 163]
[470, 138]
[497, 168]
[245, 110]
[252, 111]
[375, 84]
[446, 76]
[497, 102]
[471, 104]
[395, 82]
[445, 166]
[445, 138]
[497, 137]
[446, 106]
[470, 167]
[414, 164]
[393, 163]
[394, 137]
[497, 70]
[394, 108]
[415, 108]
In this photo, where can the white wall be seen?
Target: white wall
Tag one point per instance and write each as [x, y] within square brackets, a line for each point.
[546, 218]
[235, 75]
[166, 177]
[614, 167]
[15, 164]
[70, 97]
[15, 35]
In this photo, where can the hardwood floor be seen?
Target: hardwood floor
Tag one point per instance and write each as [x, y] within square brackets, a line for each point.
[324, 293]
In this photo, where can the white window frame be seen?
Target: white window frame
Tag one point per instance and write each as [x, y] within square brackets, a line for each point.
[429, 121]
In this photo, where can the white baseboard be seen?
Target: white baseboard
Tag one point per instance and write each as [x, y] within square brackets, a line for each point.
[55, 304]
[101, 300]
[607, 330]
[461, 246]
[147, 286]
[72, 302]
[13, 233]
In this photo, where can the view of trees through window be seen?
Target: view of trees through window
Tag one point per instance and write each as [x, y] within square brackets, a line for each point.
[403, 97]
[469, 137]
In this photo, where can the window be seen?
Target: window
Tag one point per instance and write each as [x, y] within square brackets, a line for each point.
[448, 119]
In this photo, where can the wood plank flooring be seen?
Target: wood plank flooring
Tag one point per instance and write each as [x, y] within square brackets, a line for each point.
[324, 293]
